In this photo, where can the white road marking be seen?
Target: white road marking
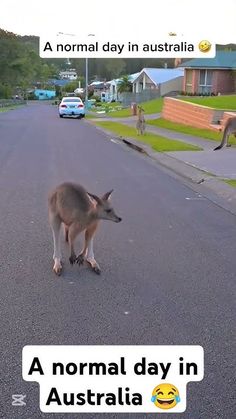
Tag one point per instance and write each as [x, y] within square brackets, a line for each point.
[195, 199]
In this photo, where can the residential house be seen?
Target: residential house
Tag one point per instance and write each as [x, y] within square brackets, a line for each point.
[100, 89]
[68, 74]
[162, 80]
[42, 94]
[211, 75]
[114, 94]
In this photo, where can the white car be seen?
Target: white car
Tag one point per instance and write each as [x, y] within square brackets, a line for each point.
[71, 106]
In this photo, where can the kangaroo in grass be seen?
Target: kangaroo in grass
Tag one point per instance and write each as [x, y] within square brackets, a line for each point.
[230, 128]
[140, 126]
[79, 211]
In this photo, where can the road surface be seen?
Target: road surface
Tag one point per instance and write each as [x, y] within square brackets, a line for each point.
[168, 269]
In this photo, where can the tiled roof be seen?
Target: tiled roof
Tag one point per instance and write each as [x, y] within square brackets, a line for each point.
[223, 59]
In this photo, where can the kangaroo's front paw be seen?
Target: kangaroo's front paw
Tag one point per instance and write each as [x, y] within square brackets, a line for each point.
[94, 265]
[80, 259]
[72, 259]
[97, 270]
[57, 268]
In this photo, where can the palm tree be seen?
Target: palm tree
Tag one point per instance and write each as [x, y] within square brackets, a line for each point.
[125, 85]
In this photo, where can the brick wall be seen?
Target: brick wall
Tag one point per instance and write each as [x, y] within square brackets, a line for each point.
[187, 113]
[223, 81]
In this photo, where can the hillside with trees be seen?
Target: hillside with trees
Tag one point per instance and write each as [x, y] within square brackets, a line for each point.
[20, 64]
[22, 68]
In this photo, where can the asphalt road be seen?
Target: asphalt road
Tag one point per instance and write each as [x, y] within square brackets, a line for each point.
[168, 269]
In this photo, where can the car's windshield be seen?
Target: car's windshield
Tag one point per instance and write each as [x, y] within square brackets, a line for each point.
[77, 99]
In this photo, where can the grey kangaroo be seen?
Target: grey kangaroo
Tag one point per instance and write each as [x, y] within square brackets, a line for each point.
[140, 126]
[79, 211]
[230, 128]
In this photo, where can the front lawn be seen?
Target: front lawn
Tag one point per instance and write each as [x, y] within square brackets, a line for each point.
[186, 129]
[217, 102]
[157, 142]
[152, 106]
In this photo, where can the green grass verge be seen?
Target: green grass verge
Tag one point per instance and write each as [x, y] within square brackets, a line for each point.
[186, 129]
[92, 116]
[158, 143]
[231, 182]
[10, 108]
[217, 102]
[152, 106]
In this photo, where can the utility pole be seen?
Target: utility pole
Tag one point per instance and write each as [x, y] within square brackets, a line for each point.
[86, 70]
[86, 84]
[86, 78]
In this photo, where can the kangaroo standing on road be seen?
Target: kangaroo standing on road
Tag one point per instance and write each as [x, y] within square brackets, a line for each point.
[140, 126]
[79, 211]
[230, 128]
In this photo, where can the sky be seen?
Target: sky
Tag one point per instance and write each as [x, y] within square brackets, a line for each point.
[205, 19]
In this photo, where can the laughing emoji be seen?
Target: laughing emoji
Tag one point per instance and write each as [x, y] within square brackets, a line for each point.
[165, 396]
[204, 46]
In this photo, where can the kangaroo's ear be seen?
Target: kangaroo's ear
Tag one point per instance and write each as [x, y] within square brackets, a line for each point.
[107, 195]
[96, 198]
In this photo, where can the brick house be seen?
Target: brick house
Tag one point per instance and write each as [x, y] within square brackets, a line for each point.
[211, 75]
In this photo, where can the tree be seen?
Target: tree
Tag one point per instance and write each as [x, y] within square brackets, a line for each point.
[125, 85]
[20, 63]
[70, 87]
[114, 67]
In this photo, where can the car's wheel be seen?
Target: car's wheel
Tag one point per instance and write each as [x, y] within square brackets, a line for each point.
[61, 116]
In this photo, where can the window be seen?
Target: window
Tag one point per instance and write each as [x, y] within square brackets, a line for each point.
[188, 82]
[205, 81]
[77, 99]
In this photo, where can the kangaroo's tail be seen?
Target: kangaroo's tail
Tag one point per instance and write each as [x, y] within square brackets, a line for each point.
[224, 139]
[219, 147]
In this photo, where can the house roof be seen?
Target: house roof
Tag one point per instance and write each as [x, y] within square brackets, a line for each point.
[56, 82]
[222, 60]
[161, 75]
[131, 78]
[98, 84]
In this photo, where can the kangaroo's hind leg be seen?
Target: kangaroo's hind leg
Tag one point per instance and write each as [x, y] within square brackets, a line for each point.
[66, 233]
[88, 248]
[138, 128]
[144, 127]
[74, 230]
[55, 223]
[227, 140]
